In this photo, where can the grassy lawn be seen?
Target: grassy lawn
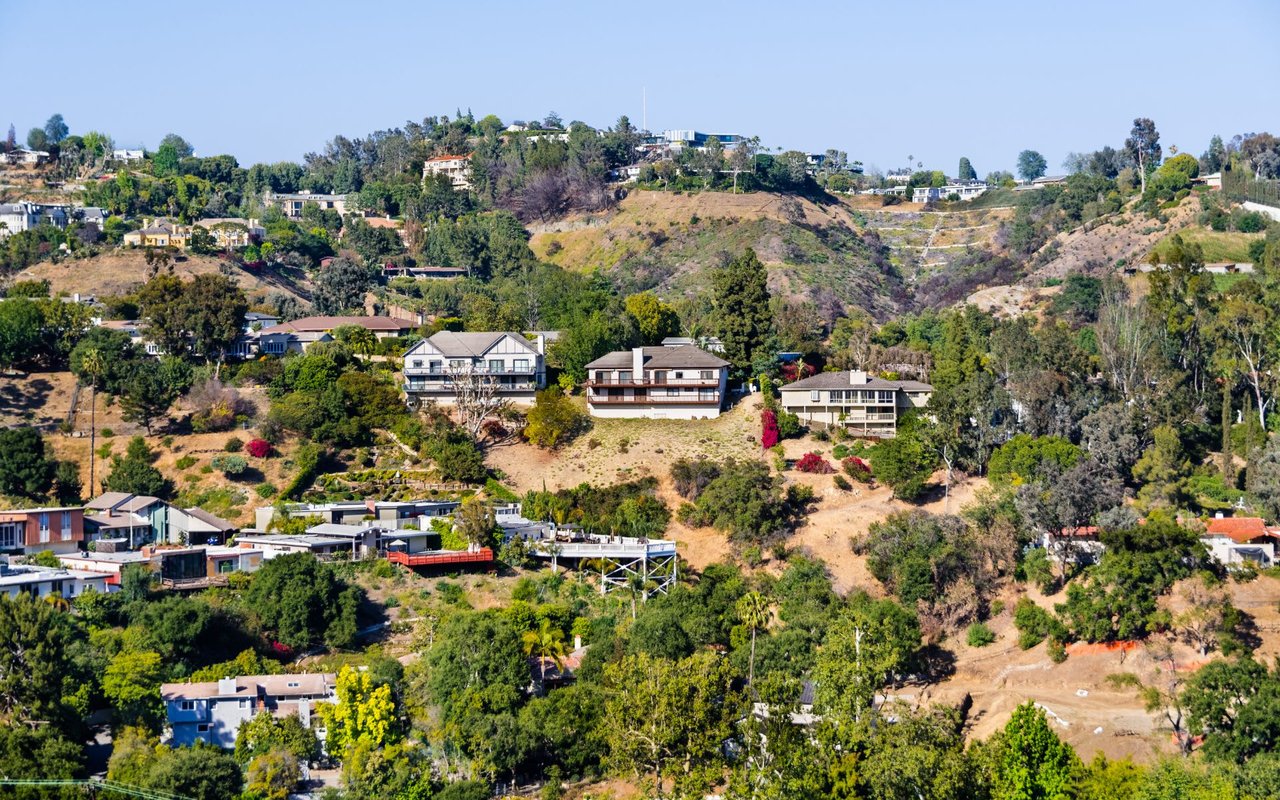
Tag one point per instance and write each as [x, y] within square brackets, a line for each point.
[1218, 246]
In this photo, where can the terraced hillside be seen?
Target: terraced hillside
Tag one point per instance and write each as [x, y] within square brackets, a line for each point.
[845, 254]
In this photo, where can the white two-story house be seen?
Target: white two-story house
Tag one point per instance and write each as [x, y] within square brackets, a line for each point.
[680, 382]
[517, 365]
[863, 405]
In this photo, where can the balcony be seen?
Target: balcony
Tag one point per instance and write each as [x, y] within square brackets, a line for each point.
[644, 399]
[445, 386]
[650, 382]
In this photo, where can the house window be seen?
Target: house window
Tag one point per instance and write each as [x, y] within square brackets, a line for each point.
[707, 375]
[673, 393]
[679, 375]
[434, 367]
[417, 363]
[885, 397]
[10, 535]
[815, 396]
[624, 376]
[707, 395]
[521, 365]
[203, 727]
[44, 526]
[66, 525]
[495, 365]
[457, 363]
[187, 705]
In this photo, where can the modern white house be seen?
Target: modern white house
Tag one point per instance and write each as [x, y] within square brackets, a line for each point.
[41, 582]
[680, 382]
[291, 204]
[516, 364]
[121, 154]
[966, 191]
[389, 513]
[852, 399]
[213, 711]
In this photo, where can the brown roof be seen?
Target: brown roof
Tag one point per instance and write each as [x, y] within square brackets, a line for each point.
[204, 516]
[682, 356]
[251, 685]
[1238, 529]
[317, 324]
[446, 158]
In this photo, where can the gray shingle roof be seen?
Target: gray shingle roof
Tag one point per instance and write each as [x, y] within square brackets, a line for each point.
[840, 380]
[469, 345]
[682, 356]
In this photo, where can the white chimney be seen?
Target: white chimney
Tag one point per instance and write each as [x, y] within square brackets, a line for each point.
[1218, 515]
[577, 642]
[637, 363]
[226, 686]
[540, 343]
[857, 376]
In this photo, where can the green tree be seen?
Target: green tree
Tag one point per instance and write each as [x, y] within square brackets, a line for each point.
[38, 667]
[654, 319]
[273, 775]
[905, 462]
[20, 324]
[966, 172]
[302, 602]
[553, 420]
[741, 310]
[1031, 165]
[215, 307]
[341, 286]
[1163, 469]
[870, 643]
[1236, 704]
[55, 129]
[753, 610]
[135, 474]
[39, 753]
[545, 643]
[1025, 459]
[1143, 148]
[131, 683]
[24, 469]
[365, 714]
[163, 307]
[1029, 761]
[200, 772]
[668, 719]
[147, 393]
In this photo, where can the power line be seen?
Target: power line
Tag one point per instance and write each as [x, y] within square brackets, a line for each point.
[95, 786]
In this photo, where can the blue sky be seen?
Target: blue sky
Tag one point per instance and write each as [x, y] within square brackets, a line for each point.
[269, 81]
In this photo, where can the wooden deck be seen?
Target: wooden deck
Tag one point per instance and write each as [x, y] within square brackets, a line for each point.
[442, 558]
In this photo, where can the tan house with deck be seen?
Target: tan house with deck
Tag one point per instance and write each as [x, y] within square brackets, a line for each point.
[680, 382]
[863, 405]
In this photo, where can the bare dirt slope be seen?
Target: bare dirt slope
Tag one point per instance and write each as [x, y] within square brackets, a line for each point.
[121, 271]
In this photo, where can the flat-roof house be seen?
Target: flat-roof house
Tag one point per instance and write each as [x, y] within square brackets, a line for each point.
[863, 405]
[41, 582]
[324, 541]
[213, 711]
[965, 191]
[457, 168]
[121, 154]
[25, 155]
[389, 513]
[516, 364]
[291, 204]
[1240, 540]
[680, 382]
[32, 530]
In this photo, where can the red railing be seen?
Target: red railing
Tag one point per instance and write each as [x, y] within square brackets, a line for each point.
[441, 558]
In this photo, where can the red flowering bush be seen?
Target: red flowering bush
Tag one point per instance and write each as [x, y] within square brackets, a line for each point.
[812, 462]
[769, 428]
[857, 469]
[258, 448]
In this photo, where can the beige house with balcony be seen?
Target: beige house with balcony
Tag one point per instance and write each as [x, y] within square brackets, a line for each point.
[457, 168]
[678, 382]
[863, 405]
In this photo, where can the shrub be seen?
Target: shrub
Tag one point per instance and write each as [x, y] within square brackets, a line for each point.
[230, 465]
[106, 433]
[494, 429]
[307, 462]
[789, 425]
[186, 462]
[979, 635]
[857, 469]
[691, 476]
[768, 429]
[814, 463]
[1034, 623]
[233, 445]
[216, 406]
[1057, 650]
[265, 490]
[258, 448]
[554, 420]
[842, 483]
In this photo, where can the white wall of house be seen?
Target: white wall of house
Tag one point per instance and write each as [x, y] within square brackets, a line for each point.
[1226, 551]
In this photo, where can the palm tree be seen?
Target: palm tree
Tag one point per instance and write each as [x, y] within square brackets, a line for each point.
[753, 610]
[639, 586]
[91, 365]
[545, 643]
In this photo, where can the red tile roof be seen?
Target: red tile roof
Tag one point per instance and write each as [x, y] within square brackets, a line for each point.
[1238, 529]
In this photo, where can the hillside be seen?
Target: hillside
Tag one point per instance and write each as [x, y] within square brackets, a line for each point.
[852, 252]
[121, 271]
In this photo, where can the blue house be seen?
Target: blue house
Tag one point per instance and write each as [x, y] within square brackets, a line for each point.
[212, 711]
